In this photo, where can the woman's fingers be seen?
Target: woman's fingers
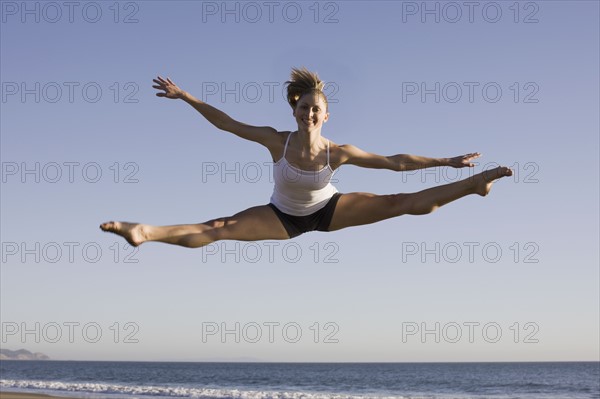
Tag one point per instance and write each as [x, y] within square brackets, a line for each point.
[469, 157]
[170, 89]
[163, 81]
[462, 161]
[166, 85]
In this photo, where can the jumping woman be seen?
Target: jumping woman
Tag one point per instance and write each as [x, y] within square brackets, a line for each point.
[304, 162]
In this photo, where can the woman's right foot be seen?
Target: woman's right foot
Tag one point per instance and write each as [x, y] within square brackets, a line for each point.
[132, 232]
[484, 180]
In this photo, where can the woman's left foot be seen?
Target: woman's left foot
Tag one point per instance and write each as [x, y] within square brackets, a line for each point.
[132, 232]
[483, 181]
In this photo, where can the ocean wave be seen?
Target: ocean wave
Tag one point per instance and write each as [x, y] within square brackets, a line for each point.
[127, 391]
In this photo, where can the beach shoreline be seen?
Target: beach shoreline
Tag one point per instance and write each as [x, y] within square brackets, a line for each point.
[25, 395]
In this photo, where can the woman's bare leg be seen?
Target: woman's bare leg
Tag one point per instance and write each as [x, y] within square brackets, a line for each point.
[356, 209]
[253, 224]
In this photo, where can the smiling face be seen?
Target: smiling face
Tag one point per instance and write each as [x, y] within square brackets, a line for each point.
[311, 111]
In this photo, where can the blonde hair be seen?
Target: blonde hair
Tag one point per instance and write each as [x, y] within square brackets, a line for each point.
[303, 82]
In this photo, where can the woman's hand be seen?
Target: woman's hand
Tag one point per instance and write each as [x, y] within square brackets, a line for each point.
[170, 89]
[463, 161]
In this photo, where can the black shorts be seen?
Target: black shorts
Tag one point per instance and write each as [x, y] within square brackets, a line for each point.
[319, 221]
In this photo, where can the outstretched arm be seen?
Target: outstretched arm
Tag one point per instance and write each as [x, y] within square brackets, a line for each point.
[263, 135]
[352, 155]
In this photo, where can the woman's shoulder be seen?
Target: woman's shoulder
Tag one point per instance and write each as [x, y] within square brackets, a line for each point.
[341, 148]
[341, 153]
[278, 144]
[337, 153]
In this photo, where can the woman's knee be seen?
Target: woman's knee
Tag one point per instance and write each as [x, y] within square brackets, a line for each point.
[216, 223]
[218, 228]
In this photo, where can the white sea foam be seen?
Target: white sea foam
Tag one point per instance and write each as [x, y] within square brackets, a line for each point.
[128, 391]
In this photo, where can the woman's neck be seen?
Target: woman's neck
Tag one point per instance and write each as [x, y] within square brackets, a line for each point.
[309, 142]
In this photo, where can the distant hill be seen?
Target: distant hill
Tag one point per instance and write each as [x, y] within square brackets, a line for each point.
[21, 354]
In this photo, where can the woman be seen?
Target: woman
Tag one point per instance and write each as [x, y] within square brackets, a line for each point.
[304, 162]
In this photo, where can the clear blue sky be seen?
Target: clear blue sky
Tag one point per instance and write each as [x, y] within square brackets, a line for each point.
[516, 81]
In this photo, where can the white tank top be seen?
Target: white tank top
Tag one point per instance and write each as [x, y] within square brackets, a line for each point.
[300, 192]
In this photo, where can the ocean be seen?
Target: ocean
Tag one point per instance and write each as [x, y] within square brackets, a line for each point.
[543, 380]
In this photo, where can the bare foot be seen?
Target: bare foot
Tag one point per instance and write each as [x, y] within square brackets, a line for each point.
[484, 180]
[132, 232]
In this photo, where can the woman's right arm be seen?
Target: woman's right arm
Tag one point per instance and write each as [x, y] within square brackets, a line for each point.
[264, 135]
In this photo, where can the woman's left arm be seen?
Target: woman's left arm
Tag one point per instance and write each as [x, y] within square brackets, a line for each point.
[351, 155]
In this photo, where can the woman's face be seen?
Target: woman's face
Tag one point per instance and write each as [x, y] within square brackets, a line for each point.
[311, 112]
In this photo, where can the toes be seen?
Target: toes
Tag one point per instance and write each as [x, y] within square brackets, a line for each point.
[108, 226]
[500, 171]
[504, 171]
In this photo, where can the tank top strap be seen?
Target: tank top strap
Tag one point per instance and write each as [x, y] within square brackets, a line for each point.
[327, 152]
[286, 144]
